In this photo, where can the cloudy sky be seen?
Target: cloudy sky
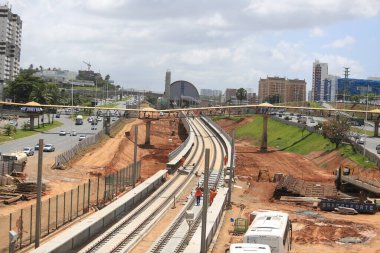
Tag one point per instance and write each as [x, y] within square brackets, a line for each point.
[212, 43]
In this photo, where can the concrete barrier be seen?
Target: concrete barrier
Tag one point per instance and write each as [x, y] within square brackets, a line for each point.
[83, 231]
[214, 216]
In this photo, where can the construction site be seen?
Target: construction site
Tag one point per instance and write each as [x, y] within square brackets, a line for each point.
[272, 180]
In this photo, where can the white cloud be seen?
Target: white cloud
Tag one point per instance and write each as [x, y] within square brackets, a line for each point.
[343, 42]
[317, 32]
[215, 20]
[213, 43]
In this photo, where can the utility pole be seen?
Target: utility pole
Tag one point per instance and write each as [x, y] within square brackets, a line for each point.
[346, 74]
[135, 158]
[231, 169]
[39, 190]
[205, 202]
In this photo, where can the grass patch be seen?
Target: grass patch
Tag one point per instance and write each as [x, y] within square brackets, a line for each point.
[234, 118]
[25, 133]
[361, 131]
[284, 137]
[290, 138]
[348, 152]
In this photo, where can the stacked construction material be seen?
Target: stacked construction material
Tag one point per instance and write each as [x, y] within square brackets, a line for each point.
[290, 186]
[28, 187]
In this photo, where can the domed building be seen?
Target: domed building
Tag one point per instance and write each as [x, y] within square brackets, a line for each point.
[183, 94]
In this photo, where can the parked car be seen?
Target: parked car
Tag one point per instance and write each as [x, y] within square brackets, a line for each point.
[37, 147]
[49, 148]
[58, 115]
[62, 133]
[28, 151]
[93, 127]
[378, 147]
[99, 119]
[360, 140]
[73, 133]
[82, 137]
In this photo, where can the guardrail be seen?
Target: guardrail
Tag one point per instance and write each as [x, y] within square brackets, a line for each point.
[185, 146]
[226, 139]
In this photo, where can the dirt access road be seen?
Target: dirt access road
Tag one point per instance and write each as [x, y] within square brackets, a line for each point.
[314, 231]
[111, 154]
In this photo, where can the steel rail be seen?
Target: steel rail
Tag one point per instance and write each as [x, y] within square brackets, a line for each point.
[164, 240]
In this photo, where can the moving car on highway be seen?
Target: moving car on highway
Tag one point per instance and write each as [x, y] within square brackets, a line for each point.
[28, 151]
[82, 137]
[49, 148]
[62, 133]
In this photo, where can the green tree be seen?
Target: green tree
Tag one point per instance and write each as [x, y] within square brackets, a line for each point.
[40, 93]
[20, 89]
[241, 94]
[9, 129]
[273, 99]
[336, 130]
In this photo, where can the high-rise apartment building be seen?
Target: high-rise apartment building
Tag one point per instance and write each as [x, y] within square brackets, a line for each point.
[320, 74]
[281, 90]
[10, 45]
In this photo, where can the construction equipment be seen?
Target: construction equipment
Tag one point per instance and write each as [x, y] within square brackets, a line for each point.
[88, 65]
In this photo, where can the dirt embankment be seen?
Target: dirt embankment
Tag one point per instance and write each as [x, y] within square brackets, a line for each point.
[313, 231]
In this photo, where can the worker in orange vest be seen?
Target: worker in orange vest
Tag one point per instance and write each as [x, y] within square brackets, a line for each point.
[213, 193]
[198, 195]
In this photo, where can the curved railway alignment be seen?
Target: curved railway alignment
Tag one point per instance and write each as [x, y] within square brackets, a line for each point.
[179, 233]
[124, 235]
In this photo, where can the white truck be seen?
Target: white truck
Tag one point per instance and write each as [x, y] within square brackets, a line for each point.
[79, 120]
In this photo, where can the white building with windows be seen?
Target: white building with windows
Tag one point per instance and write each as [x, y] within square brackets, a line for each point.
[10, 45]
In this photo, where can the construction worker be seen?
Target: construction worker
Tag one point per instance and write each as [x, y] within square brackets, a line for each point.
[225, 160]
[198, 195]
[213, 193]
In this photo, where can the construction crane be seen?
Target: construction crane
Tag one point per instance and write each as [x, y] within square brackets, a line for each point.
[88, 65]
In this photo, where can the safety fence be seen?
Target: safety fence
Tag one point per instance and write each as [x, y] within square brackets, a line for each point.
[66, 156]
[61, 209]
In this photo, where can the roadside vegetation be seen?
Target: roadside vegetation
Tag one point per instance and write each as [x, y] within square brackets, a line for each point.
[21, 133]
[296, 140]
[234, 118]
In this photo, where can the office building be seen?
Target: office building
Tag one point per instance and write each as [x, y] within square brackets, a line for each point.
[356, 87]
[320, 73]
[10, 45]
[211, 93]
[281, 90]
[57, 75]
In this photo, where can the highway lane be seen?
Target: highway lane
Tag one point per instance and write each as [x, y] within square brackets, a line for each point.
[61, 143]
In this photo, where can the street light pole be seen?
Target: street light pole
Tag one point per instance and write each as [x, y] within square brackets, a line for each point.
[366, 118]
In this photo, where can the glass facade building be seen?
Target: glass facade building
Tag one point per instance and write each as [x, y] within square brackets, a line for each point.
[352, 87]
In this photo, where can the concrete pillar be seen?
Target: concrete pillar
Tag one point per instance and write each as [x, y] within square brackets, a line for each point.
[147, 133]
[264, 139]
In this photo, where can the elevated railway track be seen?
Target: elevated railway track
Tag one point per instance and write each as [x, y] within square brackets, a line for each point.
[123, 235]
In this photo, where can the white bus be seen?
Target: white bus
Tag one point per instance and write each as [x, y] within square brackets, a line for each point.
[271, 228]
[249, 247]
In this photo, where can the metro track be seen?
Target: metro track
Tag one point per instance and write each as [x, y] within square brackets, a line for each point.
[124, 234]
[167, 237]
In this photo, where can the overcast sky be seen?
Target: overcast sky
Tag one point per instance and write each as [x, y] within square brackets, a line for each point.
[212, 43]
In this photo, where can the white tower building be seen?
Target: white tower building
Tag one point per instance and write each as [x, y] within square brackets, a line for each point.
[10, 45]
